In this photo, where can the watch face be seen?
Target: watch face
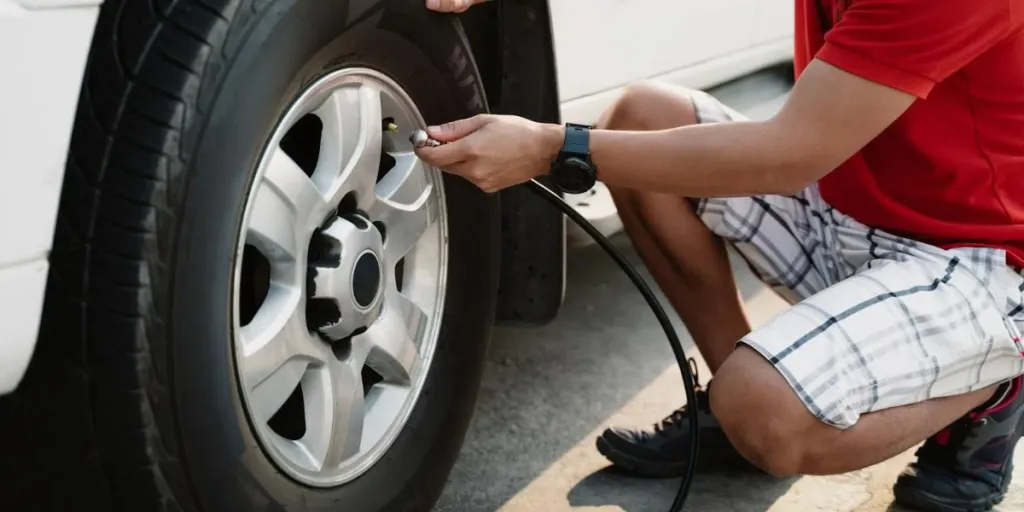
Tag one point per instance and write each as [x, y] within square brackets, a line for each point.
[573, 176]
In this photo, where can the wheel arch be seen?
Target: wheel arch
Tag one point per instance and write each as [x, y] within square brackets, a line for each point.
[513, 45]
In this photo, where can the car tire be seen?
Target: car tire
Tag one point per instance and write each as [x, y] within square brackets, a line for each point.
[131, 401]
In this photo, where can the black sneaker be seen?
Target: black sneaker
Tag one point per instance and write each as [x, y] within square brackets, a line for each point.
[662, 452]
[968, 466]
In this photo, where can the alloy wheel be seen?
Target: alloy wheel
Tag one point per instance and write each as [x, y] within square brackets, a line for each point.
[340, 279]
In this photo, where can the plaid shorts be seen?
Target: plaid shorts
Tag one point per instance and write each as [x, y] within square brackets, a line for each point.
[877, 320]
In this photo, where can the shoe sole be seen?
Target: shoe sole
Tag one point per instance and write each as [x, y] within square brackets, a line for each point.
[926, 502]
[637, 466]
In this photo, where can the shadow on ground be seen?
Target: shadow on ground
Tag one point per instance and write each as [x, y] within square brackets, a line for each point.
[710, 492]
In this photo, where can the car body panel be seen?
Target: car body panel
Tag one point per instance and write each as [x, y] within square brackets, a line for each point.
[43, 50]
[602, 45]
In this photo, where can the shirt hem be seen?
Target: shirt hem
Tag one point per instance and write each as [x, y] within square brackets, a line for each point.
[875, 71]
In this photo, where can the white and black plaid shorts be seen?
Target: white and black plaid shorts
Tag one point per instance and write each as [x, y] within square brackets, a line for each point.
[878, 320]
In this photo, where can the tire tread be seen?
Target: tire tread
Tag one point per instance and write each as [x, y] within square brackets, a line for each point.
[94, 372]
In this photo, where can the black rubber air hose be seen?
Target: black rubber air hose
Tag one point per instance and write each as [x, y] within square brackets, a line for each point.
[666, 325]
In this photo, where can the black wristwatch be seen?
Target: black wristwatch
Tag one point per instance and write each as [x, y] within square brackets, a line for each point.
[572, 171]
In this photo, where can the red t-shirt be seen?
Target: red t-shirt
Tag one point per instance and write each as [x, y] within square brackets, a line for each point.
[950, 171]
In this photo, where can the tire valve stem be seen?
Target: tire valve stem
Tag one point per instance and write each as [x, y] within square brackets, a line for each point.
[389, 125]
[420, 139]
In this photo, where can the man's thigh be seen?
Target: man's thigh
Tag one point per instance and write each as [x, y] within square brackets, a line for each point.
[914, 325]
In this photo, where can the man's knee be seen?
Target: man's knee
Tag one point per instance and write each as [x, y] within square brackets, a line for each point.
[649, 105]
[646, 105]
[761, 415]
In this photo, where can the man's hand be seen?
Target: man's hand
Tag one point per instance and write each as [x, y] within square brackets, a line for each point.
[451, 5]
[494, 152]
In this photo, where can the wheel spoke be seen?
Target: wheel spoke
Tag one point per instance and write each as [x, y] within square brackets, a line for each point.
[383, 402]
[406, 204]
[285, 200]
[351, 144]
[277, 350]
[393, 353]
[335, 429]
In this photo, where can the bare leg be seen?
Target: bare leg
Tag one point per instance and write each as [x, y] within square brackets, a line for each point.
[685, 258]
[788, 440]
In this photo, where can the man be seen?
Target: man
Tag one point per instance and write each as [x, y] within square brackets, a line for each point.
[885, 201]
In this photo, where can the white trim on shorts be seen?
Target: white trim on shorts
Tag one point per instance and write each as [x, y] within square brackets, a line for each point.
[878, 320]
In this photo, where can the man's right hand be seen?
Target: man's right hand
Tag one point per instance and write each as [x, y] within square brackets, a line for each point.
[451, 5]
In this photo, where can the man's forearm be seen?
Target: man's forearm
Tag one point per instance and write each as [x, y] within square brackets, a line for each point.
[712, 160]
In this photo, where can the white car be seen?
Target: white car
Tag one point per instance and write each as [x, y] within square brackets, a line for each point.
[226, 282]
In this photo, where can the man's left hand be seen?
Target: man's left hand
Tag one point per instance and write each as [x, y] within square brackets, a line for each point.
[494, 152]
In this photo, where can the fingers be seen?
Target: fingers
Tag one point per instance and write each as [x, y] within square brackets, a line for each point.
[456, 148]
[481, 176]
[449, 5]
[475, 174]
[455, 130]
[443, 157]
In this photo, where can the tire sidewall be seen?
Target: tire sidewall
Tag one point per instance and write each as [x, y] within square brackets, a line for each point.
[288, 47]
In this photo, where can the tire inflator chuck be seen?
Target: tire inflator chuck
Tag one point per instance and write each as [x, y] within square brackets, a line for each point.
[419, 138]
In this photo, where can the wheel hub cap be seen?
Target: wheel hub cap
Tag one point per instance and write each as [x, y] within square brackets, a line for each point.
[366, 280]
[339, 289]
[351, 277]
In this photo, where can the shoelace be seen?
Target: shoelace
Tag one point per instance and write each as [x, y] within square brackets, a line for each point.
[678, 418]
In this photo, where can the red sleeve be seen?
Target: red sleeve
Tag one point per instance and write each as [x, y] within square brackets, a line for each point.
[913, 44]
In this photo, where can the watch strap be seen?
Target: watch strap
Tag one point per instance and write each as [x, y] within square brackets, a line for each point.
[577, 141]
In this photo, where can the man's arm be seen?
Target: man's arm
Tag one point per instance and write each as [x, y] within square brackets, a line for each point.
[829, 116]
[892, 51]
